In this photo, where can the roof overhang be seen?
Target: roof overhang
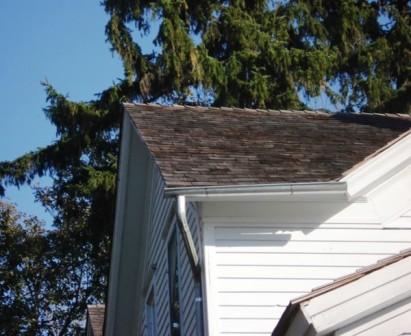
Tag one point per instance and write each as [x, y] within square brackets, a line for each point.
[343, 304]
[354, 184]
[378, 167]
[261, 192]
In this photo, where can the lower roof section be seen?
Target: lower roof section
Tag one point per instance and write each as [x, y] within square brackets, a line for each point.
[95, 320]
[366, 302]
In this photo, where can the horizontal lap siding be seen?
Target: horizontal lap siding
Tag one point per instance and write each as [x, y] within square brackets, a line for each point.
[187, 283]
[159, 219]
[258, 269]
[157, 253]
[393, 320]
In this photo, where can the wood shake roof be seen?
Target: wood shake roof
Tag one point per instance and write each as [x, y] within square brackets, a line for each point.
[201, 146]
[95, 319]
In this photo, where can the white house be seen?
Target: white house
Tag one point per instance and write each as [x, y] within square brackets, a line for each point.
[225, 215]
[375, 300]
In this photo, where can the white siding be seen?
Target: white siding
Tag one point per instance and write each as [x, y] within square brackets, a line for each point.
[144, 218]
[394, 320]
[188, 295]
[257, 262]
[160, 222]
[125, 302]
[378, 303]
[156, 258]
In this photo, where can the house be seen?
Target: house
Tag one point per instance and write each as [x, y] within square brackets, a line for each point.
[375, 300]
[95, 320]
[224, 215]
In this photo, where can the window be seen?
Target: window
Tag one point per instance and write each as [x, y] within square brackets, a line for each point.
[173, 280]
[151, 314]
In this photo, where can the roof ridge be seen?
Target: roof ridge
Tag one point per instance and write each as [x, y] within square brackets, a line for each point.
[226, 108]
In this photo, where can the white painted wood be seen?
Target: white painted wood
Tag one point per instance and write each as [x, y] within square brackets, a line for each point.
[251, 312]
[140, 250]
[119, 226]
[392, 198]
[125, 308]
[243, 299]
[297, 260]
[260, 251]
[256, 285]
[378, 303]
[239, 234]
[378, 169]
[211, 304]
[284, 272]
[293, 212]
[247, 325]
[260, 255]
[161, 213]
[393, 320]
[312, 247]
[368, 295]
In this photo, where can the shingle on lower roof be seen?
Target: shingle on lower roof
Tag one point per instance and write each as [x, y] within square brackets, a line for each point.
[200, 146]
[95, 319]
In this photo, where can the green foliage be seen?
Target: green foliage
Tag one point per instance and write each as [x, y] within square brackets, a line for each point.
[46, 277]
[263, 53]
[235, 53]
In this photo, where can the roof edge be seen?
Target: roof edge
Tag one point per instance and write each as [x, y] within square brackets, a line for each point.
[379, 166]
[292, 307]
[226, 108]
[279, 189]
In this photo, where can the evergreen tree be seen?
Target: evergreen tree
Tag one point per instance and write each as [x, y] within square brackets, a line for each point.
[261, 53]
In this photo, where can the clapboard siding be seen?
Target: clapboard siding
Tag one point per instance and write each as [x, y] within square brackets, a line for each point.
[402, 221]
[157, 256]
[161, 221]
[188, 295]
[258, 262]
[393, 320]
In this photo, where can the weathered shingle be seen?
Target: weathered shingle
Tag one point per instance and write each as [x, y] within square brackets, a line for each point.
[199, 146]
[95, 319]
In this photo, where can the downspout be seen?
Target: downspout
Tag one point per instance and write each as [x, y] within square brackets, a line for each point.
[187, 236]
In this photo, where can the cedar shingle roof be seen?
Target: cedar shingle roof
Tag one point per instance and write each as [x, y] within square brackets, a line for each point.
[95, 319]
[200, 146]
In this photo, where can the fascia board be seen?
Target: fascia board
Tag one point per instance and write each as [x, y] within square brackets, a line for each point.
[379, 167]
[365, 296]
[118, 225]
[262, 192]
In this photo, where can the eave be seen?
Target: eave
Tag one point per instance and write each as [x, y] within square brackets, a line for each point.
[261, 192]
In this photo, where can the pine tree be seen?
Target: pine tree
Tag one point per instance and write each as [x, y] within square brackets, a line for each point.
[261, 54]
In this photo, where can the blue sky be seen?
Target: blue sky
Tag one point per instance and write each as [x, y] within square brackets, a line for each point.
[62, 41]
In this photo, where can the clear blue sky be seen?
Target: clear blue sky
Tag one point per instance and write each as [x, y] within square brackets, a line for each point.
[62, 41]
